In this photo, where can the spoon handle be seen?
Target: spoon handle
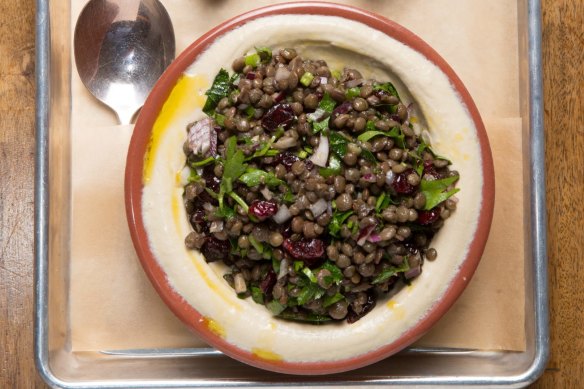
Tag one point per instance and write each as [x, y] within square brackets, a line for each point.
[125, 115]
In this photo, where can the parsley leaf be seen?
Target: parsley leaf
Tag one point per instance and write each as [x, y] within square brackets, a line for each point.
[233, 168]
[257, 295]
[337, 221]
[351, 93]
[338, 143]
[275, 307]
[219, 89]
[391, 271]
[254, 177]
[336, 273]
[435, 190]
[334, 167]
[330, 300]
[326, 104]
[395, 133]
[383, 202]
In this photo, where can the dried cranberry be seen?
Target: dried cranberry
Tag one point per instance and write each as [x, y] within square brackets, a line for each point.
[263, 209]
[268, 282]
[211, 180]
[214, 249]
[280, 115]
[401, 185]
[286, 231]
[287, 159]
[396, 118]
[353, 316]
[199, 222]
[430, 172]
[426, 218]
[307, 250]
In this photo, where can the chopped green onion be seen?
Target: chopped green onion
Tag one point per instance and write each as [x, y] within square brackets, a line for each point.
[253, 59]
[306, 79]
[351, 93]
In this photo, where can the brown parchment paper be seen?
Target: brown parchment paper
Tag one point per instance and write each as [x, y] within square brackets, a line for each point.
[113, 305]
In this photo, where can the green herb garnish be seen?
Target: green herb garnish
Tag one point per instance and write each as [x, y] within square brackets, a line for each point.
[330, 300]
[435, 190]
[337, 221]
[333, 168]
[326, 104]
[203, 162]
[351, 93]
[257, 295]
[395, 133]
[254, 177]
[338, 143]
[233, 167]
[275, 307]
[219, 89]
[391, 271]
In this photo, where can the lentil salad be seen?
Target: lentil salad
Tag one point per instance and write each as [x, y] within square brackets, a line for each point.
[312, 186]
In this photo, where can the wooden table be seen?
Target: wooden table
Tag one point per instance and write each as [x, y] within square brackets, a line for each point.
[563, 55]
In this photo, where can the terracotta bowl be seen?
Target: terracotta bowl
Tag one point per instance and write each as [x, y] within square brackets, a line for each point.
[195, 290]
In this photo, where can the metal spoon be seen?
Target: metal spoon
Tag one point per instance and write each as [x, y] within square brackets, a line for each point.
[121, 49]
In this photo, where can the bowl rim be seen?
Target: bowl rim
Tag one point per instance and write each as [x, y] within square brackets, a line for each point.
[134, 184]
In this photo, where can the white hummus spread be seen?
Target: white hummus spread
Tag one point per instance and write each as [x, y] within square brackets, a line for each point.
[341, 42]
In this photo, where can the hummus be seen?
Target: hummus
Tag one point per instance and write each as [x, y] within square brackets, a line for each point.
[340, 42]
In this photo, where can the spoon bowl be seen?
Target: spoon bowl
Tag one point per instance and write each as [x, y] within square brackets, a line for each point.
[121, 49]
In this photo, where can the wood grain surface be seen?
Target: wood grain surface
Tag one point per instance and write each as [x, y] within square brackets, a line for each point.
[563, 59]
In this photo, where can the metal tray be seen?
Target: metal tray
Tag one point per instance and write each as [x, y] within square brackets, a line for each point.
[170, 368]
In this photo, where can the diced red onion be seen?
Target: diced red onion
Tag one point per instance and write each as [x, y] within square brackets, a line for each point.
[323, 80]
[250, 76]
[202, 137]
[319, 207]
[278, 96]
[239, 283]
[426, 137]
[364, 234]
[282, 215]
[413, 272]
[267, 193]
[185, 173]
[320, 156]
[283, 268]
[370, 177]
[285, 143]
[282, 74]
[208, 207]
[374, 238]
[353, 83]
[216, 226]
[316, 115]
[389, 177]
[410, 109]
